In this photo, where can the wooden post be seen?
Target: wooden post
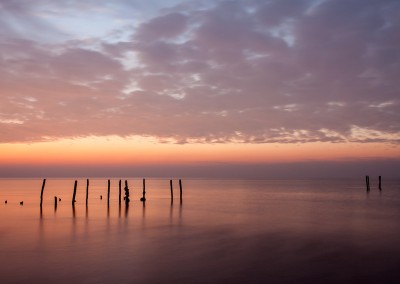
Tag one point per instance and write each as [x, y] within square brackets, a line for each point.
[55, 202]
[172, 192]
[119, 186]
[367, 182]
[87, 190]
[41, 193]
[108, 192]
[180, 190]
[126, 193]
[73, 196]
[144, 191]
[380, 183]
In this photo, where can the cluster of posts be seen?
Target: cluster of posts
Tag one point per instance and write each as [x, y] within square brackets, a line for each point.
[368, 184]
[126, 189]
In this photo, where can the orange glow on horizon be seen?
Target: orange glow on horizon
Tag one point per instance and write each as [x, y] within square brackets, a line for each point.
[146, 151]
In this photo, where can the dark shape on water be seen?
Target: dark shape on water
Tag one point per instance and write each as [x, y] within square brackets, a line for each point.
[73, 196]
[41, 192]
[87, 190]
[21, 203]
[126, 198]
[108, 192]
[172, 192]
[55, 202]
[180, 190]
[367, 182]
[59, 199]
[5, 202]
[144, 191]
[380, 183]
[101, 196]
[119, 192]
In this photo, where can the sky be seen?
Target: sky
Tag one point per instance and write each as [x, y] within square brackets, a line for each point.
[232, 89]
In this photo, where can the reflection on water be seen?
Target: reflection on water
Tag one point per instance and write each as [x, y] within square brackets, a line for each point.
[223, 232]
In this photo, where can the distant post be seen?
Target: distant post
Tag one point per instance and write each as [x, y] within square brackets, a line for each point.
[180, 190]
[144, 191]
[73, 196]
[119, 192]
[170, 187]
[380, 183]
[367, 182]
[55, 202]
[87, 190]
[41, 193]
[126, 193]
[108, 191]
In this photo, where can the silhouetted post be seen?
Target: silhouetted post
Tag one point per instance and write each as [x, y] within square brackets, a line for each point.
[73, 196]
[180, 190]
[87, 191]
[367, 182]
[108, 192]
[144, 191]
[126, 193]
[172, 192]
[380, 183]
[119, 186]
[41, 193]
[55, 202]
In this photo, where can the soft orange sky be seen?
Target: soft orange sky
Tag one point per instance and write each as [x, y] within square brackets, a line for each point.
[147, 151]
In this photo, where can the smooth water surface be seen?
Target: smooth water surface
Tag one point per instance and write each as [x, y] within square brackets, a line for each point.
[231, 231]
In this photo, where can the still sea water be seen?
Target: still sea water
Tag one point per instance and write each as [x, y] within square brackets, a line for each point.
[225, 231]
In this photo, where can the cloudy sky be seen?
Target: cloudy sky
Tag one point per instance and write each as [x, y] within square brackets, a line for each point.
[123, 83]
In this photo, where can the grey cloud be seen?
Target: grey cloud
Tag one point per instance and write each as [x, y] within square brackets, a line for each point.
[256, 71]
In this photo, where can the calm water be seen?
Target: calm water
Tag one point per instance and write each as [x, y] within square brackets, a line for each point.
[319, 231]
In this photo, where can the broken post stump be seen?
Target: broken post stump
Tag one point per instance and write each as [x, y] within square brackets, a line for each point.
[73, 196]
[41, 193]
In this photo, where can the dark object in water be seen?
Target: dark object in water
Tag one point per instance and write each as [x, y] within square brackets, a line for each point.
[367, 182]
[59, 199]
[127, 200]
[41, 192]
[73, 196]
[380, 183]
[5, 202]
[180, 190]
[101, 196]
[144, 191]
[21, 203]
[142, 199]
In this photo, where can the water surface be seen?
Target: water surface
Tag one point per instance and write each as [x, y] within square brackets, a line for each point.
[225, 231]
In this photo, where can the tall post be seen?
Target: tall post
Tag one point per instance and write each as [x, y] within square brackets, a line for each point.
[126, 193]
[108, 191]
[367, 182]
[73, 196]
[41, 193]
[119, 192]
[172, 192]
[55, 202]
[380, 183]
[144, 191]
[87, 190]
[180, 190]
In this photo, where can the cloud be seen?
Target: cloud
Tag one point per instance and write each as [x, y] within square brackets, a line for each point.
[253, 71]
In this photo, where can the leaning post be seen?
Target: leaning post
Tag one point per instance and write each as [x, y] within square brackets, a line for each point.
[73, 196]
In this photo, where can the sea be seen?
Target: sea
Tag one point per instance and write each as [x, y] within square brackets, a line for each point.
[221, 231]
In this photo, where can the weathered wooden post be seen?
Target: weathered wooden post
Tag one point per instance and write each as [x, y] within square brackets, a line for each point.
[180, 190]
[87, 190]
[380, 183]
[126, 193]
[119, 192]
[73, 196]
[41, 193]
[55, 202]
[108, 192]
[144, 191]
[172, 192]
[367, 182]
